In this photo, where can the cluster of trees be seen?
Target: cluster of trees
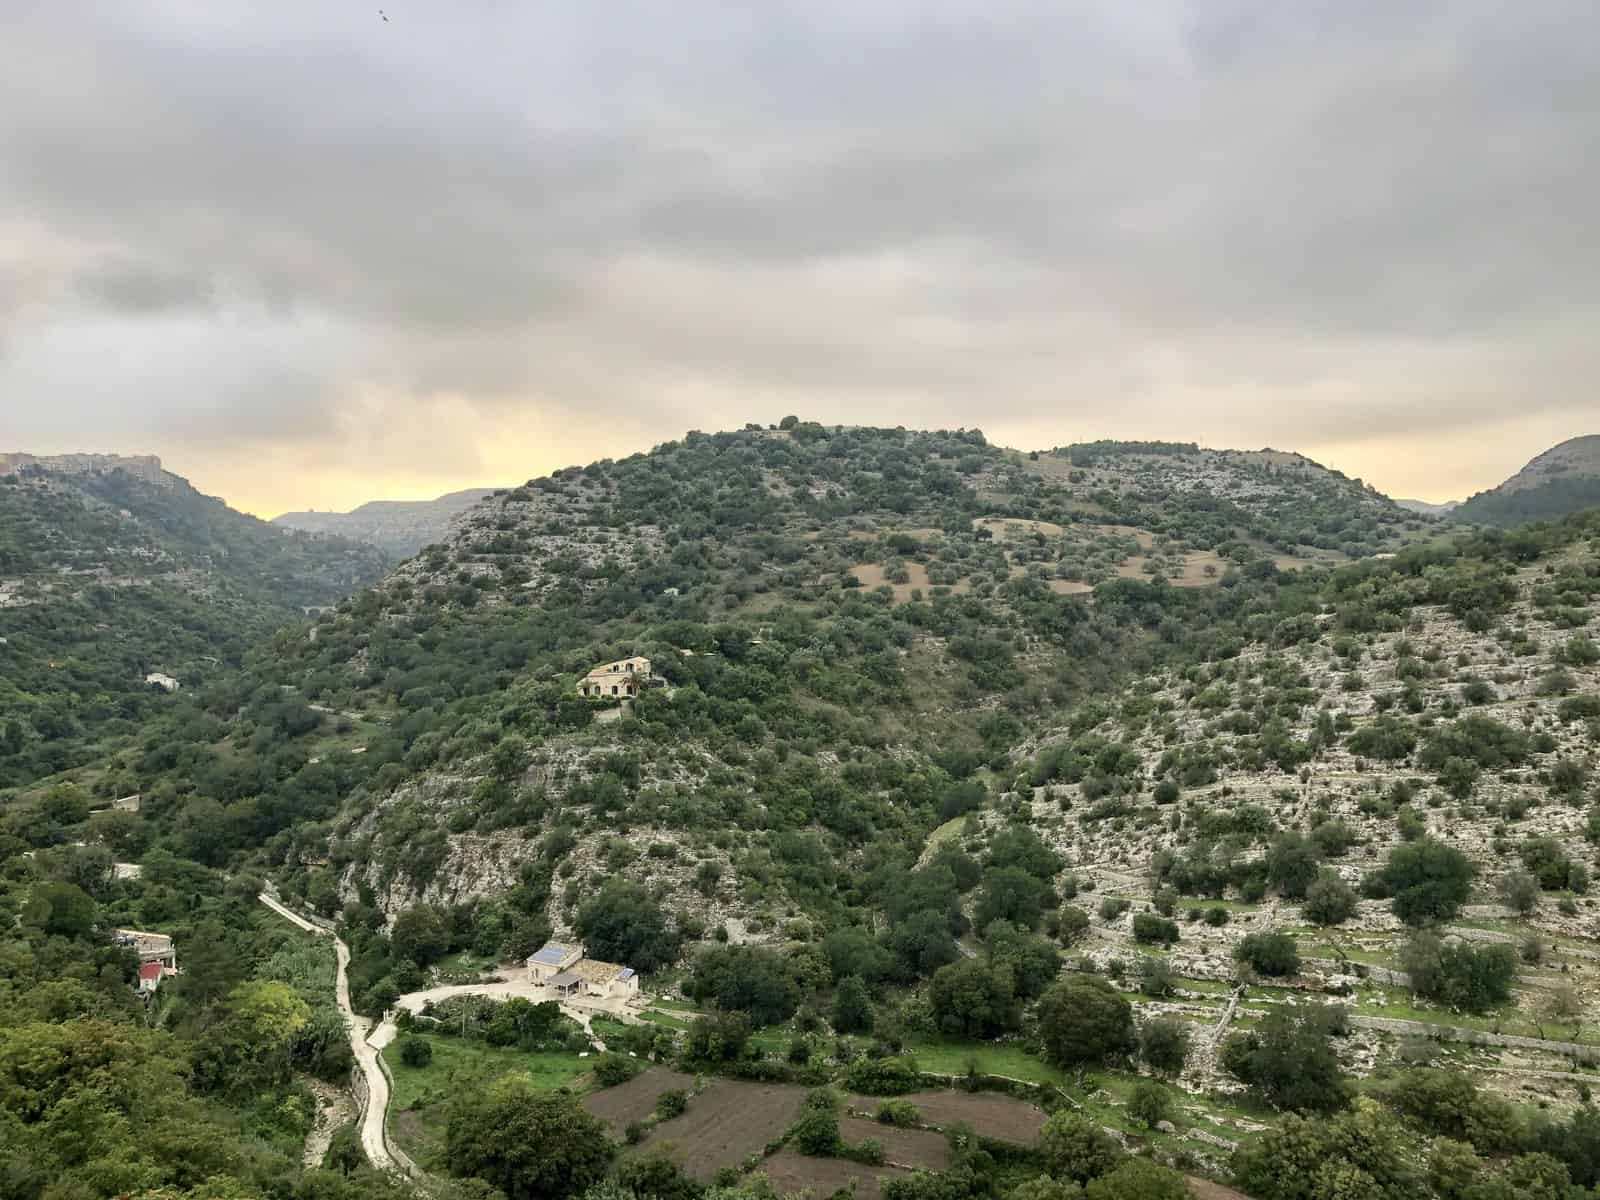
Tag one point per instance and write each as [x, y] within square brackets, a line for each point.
[1451, 1141]
[202, 1085]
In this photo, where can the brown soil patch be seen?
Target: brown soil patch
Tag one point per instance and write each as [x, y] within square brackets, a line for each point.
[990, 1114]
[635, 1100]
[916, 1148]
[872, 576]
[1070, 587]
[791, 1173]
[1206, 1189]
[1194, 569]
[727, 1123]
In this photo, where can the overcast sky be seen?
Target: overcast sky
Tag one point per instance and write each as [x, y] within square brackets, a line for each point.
[313, 257]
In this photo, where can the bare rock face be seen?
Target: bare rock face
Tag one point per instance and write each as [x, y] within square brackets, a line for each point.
[141, 466]
[1579, 455]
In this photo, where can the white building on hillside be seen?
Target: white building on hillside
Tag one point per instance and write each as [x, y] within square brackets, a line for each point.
[622, 679]
[562, 967]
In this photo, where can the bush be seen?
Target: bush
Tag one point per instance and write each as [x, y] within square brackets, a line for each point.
[1427, 881]
[1448, 1104]
[1074, 1147]
[883, 1076]
[1074, 923]
[1273, 954]
[1461, 975]
[972, 998]
[901, 1113]
[416, 1051]
[612, 1069]
[671, 1103]
[1083, 1020]
[1519, 891]
[1155, 976]
[1149, 929]
[816, 1132]
[1329, 901]
[1164, 1045]
[1149, 1103]
[1288, 1061]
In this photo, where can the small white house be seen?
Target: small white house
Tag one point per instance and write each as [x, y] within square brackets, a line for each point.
[162, 680]
[553, 959]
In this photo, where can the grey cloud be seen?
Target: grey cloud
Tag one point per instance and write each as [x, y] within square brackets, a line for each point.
[1289, 223]
[138, 289]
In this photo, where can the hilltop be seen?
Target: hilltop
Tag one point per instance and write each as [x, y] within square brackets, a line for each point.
[1564, 479]
[399, 528]
[112, 569]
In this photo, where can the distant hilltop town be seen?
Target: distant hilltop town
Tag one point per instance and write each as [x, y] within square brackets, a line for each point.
[141, 466]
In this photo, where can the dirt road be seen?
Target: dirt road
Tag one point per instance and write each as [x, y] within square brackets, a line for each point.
[376, 1109]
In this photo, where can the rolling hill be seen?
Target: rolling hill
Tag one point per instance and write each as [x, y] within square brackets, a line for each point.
[1564, 479]
[399, 528]
[1226, 740]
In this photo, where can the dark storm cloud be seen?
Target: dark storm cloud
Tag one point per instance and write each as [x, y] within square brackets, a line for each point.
[1313, 224]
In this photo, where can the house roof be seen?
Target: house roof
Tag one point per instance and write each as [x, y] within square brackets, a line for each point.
[639, 665]
[564, 980]
[550, 954]
[592, 970]
[627, 973]
[150, 970]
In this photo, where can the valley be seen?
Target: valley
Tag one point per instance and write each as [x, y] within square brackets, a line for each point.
[1153, 792]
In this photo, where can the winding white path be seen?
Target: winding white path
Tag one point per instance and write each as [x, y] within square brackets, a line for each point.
[376, 1110]
[367, 1043]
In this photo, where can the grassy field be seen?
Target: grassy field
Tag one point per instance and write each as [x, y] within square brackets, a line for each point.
[419, 1107]
[945, 1057]
[457, 1065]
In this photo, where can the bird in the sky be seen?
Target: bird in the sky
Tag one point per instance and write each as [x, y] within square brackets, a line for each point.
[383, 14]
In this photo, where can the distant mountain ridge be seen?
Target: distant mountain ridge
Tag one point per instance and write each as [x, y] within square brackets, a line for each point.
[1563, 479]
[398, 527]
[1429, 509]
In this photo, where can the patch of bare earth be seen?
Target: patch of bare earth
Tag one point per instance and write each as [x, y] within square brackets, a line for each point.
[1205, 1189]
[725, 1124]
[990, 1114]
[920, 1149]
[635, 1100]
[791, 1173]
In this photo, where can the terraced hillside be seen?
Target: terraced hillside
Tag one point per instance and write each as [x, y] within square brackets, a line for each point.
[1394, 714]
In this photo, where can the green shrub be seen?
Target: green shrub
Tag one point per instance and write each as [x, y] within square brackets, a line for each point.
[901, 1113]
[1150, 929]
[1274, 954]
[671, 1103]
[612, 1069]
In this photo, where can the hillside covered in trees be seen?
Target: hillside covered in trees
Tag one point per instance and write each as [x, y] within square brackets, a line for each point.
[1184, 789]
[108, 575]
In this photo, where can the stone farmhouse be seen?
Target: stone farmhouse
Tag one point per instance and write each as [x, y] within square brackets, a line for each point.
[563, 968]
[623, 679]
[158, 957]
